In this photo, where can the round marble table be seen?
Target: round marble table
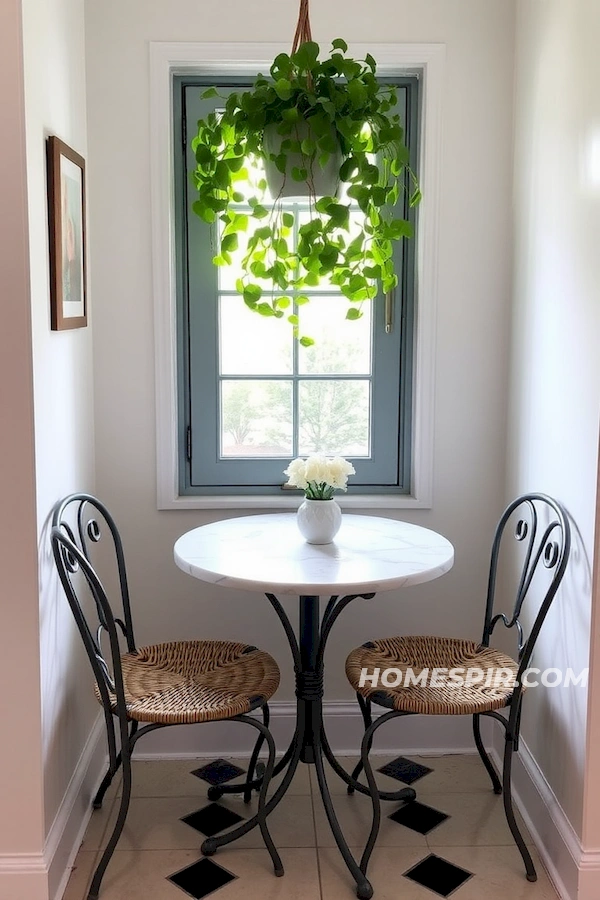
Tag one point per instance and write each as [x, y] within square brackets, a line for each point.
[267, 553]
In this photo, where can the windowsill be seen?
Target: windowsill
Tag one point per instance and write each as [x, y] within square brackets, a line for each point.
[269, 501]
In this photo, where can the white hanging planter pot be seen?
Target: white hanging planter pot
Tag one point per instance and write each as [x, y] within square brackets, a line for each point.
[321, 181]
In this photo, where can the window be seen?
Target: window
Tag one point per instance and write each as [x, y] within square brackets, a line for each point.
[250, 398]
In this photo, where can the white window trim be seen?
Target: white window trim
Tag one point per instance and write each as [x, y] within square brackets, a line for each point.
[169, 59]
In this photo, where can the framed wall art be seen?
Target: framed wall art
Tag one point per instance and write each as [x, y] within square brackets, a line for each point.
[66, 208]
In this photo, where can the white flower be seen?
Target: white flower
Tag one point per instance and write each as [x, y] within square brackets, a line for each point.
[339, 469]
[319, 475]
[296, 471]
[316, 469]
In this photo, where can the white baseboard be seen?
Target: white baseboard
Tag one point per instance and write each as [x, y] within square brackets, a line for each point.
[69, 825]
[23, 876]
[575, 872]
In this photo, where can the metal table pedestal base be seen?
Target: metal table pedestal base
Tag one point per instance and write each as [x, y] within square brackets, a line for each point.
[309, 744]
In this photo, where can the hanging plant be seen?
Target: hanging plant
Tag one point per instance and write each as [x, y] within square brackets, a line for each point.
[310, 113]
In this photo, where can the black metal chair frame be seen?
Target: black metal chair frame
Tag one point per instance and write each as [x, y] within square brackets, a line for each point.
[546, 545]
[71, 554]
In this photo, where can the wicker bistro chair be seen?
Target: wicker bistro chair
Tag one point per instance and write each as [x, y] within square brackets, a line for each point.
[541, 528]
[152, 687]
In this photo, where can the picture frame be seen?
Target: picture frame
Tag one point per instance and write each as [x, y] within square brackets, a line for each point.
[67, 230]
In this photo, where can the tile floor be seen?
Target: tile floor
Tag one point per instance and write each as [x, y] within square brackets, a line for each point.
[453, 841]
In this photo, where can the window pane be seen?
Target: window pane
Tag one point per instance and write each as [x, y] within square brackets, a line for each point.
[250, 344]
[342, 347]
[334, 417]
[256, 418]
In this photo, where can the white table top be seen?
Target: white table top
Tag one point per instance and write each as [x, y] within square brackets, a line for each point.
[267, 553]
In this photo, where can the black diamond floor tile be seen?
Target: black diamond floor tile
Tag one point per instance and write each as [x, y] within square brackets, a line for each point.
[438, 875]
[212, 818]
[218, 772]
[405, 770]
[418, 817]
[201, 879]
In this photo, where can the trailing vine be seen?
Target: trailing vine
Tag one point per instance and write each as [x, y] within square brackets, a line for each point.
[317, 107]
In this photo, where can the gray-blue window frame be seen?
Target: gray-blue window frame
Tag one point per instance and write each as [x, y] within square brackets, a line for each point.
[191, 436]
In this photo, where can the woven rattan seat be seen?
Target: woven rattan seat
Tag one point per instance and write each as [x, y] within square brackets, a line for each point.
[420, 652]
[185, 682]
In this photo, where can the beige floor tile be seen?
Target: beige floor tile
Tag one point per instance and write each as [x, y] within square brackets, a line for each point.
[98, 824]
[498, 874]
[476, 820]
[291, 823]
[173, 778]
[153, 823]
[142, 875]
[81, 875]
[354, 815]
[256, 879]
[454, 772]
[385, 874]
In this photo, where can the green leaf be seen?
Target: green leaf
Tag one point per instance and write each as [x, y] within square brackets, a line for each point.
[229, 243]
[259, 212]
[209, 92]
[290, 114]
[288, 220]
[283, 88]
[415, 197]
[252, 294]
[234, 163]
[263, 233]
[306, 56]
[265, 309]
[282, 302]
[203, 154]
[307, 341]
[340, 44]
[353, 313]
[299, 174]
[301, 300]
[293, 319]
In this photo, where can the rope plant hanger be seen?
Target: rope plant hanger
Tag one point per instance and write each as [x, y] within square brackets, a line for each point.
[303, 32]
[309, 126]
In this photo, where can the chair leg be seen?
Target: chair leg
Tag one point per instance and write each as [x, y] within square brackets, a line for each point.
[212, 844]
[508, 809]
[484, 757]
[365, 708]
[106, 783]
[116, 834]
[376, 822]
[254, 758]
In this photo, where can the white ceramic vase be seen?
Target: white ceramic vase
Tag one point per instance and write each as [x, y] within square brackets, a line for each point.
[319, 520]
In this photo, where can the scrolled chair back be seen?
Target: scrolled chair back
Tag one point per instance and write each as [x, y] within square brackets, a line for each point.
[538, 526]
[79, 523]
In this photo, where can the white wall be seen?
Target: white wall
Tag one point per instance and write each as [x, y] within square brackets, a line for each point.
[474, 294]
[54, 65]
[21, 819]
[553, 421]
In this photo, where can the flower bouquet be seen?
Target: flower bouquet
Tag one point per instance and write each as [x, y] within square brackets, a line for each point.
[319, 516]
